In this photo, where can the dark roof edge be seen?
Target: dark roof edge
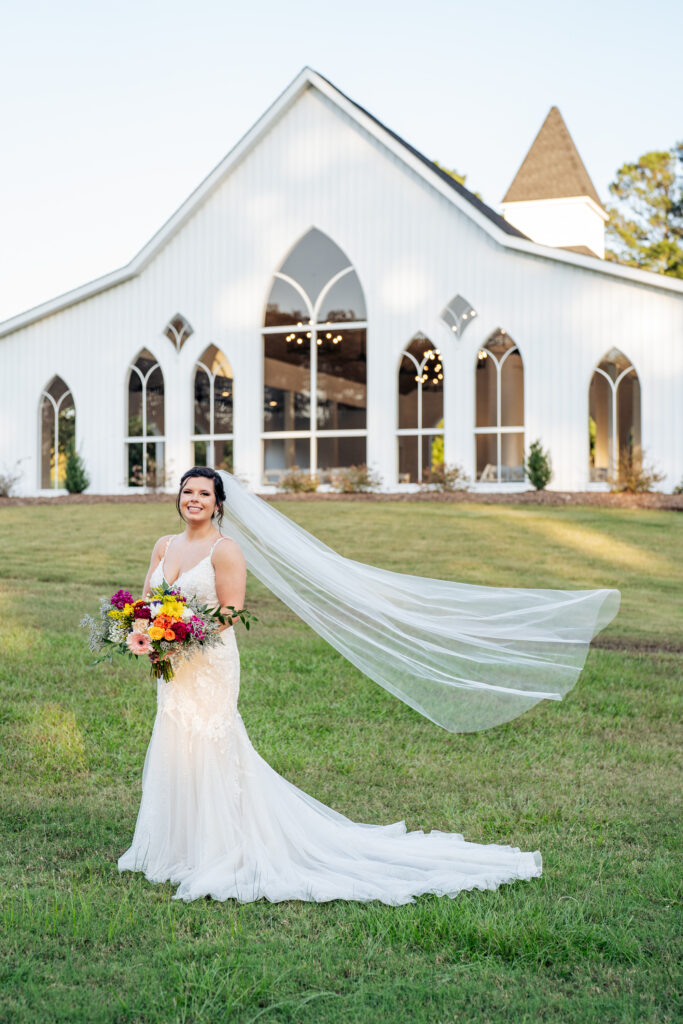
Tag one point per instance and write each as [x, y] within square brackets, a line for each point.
[478, 204]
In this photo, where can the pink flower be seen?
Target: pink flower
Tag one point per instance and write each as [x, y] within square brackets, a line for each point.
[138, 643]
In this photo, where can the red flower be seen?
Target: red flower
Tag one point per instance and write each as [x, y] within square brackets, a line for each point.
[180, 629]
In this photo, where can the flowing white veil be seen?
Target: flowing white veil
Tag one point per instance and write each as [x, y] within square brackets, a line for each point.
[467, 657]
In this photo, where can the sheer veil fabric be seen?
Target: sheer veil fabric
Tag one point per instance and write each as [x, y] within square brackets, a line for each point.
[467, 657]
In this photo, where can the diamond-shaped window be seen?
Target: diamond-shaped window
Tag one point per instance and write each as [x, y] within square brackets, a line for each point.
[458, 314]
[178, 330]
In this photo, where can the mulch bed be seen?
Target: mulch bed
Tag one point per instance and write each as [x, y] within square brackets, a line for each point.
[653, 499]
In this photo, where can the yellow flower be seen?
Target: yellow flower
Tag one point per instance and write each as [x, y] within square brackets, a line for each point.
[156, 633]
[173, 608]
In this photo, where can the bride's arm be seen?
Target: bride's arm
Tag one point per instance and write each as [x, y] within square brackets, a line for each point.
[231, 575]
[157, 554]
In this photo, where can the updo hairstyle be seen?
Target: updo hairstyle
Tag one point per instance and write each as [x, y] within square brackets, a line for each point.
[219, 489]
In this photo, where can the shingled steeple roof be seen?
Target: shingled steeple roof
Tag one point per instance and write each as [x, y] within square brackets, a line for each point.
[552, 169]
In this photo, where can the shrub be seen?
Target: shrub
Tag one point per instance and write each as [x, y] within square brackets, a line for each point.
[355, 479]
[678, 489]
[537, 466]
[299, 481]
[440, 477]
[9, 478]
[634, 475]
[76, 480]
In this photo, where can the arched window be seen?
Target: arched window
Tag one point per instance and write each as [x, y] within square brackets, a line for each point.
[146, 423]
[57, 431]
[213, 401]
[613, 414]
[314, 403]
[499, 401]
[420, 410]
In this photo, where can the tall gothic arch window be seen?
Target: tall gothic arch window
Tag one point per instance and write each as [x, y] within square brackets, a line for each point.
[499, 402]
[57, 431]
[420, 410]
[213, 405]
[146, 422]
[613, 414]
[314, 351]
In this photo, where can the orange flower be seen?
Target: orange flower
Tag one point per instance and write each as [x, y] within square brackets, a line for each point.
[163, 621]
[169, 634]
[156, 633]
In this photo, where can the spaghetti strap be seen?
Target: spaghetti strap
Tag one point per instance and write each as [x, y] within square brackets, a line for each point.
[215, 543]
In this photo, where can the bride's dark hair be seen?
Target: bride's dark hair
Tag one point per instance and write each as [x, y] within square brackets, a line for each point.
[218, 489]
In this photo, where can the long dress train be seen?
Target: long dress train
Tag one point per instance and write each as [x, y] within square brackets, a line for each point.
[217, 820]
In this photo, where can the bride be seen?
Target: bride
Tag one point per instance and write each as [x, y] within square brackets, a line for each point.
[218, 821]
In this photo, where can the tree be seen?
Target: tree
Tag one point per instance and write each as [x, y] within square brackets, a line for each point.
[537, 466]
[460, 178]
[76, 480]
[645, 226]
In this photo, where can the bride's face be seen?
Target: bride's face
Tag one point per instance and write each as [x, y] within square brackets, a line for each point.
[197, 500]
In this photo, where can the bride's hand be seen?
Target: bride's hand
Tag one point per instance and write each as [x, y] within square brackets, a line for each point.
[154, 656]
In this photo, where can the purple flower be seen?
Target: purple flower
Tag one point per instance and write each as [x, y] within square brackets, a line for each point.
[121, 598]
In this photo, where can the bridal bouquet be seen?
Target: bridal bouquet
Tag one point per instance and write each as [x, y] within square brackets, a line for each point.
[165, 626]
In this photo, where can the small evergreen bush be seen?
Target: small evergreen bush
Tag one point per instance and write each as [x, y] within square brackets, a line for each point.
[76, 479]
[537, 466]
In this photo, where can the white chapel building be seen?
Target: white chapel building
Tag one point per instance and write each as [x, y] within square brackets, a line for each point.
[329, 297]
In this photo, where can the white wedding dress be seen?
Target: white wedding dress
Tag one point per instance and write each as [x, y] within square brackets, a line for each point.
[218, 821]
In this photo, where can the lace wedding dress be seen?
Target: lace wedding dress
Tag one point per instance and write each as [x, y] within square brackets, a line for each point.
[218, 821]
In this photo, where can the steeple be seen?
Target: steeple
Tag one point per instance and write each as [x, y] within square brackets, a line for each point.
[552, 198]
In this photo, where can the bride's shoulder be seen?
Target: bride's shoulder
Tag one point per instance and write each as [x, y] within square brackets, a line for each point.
[228, 554]
[160, 546]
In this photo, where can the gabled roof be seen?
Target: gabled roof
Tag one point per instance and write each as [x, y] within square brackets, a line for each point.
[492, 223]
[552, 169]
[473, 200]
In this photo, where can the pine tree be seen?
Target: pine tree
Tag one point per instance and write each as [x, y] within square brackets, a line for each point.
[76, 479]
[645, 227]
[537, 466]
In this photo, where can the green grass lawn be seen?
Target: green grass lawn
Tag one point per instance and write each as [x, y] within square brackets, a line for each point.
[592, 782]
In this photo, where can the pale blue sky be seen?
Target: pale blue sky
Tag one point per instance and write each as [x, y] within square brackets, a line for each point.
[111, 114]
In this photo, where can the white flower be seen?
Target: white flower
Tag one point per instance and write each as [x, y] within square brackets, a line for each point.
[117, 634]
[187, 614]
[155, 607]
[141, 625]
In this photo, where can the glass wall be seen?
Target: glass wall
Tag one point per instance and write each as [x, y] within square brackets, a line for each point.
[314, 353]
